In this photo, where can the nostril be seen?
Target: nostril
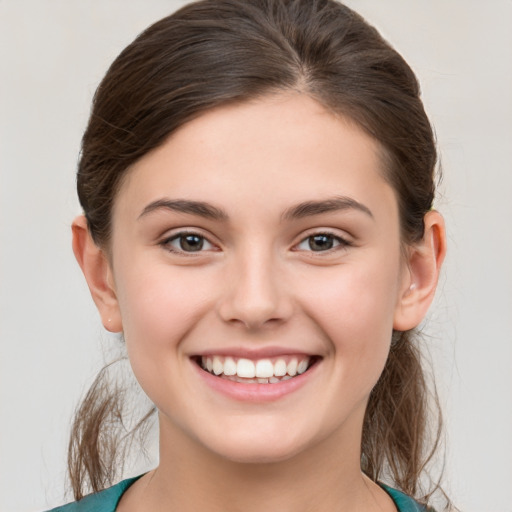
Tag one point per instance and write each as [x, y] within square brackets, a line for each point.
[255, 324]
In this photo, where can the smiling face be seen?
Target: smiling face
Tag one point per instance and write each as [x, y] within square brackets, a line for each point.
[260, 240]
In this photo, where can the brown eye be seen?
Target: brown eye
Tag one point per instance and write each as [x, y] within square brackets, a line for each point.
[191, 243]
[322, 242]
[187, 243]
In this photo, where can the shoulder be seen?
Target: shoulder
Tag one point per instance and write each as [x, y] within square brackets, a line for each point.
[403, 502]
[103, 501]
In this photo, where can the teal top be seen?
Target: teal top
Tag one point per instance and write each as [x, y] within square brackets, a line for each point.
[107, 500]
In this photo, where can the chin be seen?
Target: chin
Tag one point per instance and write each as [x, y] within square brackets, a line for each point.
[258, 445]
[256, 454]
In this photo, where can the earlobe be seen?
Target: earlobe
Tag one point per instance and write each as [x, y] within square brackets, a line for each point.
[98, 274]
[422, 274]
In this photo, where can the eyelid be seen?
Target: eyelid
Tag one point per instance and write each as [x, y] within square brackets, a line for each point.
[166, 240]
[343, 241]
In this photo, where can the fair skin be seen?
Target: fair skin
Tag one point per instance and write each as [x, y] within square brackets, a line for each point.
[262, 231]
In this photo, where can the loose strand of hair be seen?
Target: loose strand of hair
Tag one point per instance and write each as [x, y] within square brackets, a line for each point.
[100, 439]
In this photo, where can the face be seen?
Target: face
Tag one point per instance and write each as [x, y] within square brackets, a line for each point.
[257, 268]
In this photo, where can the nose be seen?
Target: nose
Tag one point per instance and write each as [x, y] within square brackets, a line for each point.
[255, 294]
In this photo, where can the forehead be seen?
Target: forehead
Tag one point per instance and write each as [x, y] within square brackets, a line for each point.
[261, 154]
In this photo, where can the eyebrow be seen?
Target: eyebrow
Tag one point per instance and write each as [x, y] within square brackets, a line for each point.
[310, 208]
[198, 208]
[300, 211]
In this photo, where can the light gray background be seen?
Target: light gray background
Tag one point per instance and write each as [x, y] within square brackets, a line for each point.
[53, 54]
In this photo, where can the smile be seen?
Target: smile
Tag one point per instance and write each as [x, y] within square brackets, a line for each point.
[261, 371]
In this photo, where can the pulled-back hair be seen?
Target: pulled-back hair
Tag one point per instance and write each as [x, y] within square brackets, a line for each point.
[217, 52]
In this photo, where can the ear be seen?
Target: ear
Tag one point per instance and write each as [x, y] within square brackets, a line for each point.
[98, 273]
[421, 274]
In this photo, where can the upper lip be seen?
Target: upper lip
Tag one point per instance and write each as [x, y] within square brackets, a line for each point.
[254, 353]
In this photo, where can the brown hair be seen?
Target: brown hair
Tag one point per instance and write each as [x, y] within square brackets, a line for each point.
[215, 52]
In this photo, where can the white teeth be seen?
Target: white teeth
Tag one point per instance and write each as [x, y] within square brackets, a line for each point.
[264, 368]
[246, 381]
[302, 367]
[229, 366]
[263, 371]
[245, 368]
[218, 367]
[280, 368]
[291, 367]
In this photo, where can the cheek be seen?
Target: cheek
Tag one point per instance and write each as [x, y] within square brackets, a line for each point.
[354, 307]
[355, 297]
[160, 306]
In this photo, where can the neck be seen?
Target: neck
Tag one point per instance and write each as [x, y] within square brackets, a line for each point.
[326, 478]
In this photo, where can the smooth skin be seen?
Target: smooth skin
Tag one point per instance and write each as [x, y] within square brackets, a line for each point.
[260, 225]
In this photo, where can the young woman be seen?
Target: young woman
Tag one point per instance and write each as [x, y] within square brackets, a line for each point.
[257, 180]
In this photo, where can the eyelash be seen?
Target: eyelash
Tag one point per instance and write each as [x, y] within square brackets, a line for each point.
[180, 237]
[342, 243]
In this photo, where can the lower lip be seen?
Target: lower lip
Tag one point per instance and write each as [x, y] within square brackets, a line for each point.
[253, 392]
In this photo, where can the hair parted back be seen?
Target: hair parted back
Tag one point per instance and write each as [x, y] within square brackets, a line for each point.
[214, 52]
